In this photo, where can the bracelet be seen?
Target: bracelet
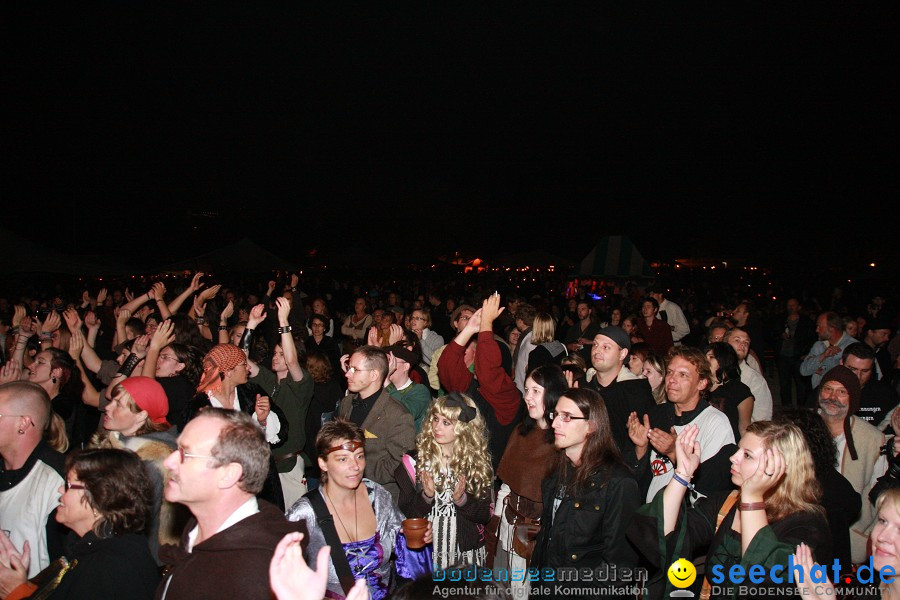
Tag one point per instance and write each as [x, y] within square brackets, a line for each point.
[684, 482]
[285, 329]
[748, 506]
[46, 336]
[200, 320]
[223, 327]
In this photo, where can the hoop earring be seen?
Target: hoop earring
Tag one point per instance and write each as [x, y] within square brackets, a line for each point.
[53, 379]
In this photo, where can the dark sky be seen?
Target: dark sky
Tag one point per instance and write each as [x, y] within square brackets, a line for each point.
[767, 132]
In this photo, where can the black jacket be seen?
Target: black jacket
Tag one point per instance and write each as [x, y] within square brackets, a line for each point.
[119, 567]
[589, 527]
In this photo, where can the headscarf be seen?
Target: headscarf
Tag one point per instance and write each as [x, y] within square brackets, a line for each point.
[149, 396]
[218, 361]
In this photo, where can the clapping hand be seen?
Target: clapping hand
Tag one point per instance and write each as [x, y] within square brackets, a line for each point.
[687, 451]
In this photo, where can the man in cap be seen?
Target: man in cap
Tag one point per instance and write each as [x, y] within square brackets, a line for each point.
[858, 443]
[622, 391]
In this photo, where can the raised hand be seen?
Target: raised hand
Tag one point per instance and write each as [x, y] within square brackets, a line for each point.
[227, 311]
[10, 371]
[210, 292]
[140, 345]
[196, 284]
[18, 315]
[294, 280]
[158, 291]
[122, 315]
[91, 320]
[687, 451]
[638, 430]
[51, 323]
[163, 336]
[199, 306]
[663, 441]
[76, 344]
[128, 295]
[270, 288]
[101, 296]
[73, 321]
[85, 298]
[257, 316]
[374, 339]
[808, 588]
[284, 310]
[27, 327]
[262, 408]
[491, 309]
[396, 334]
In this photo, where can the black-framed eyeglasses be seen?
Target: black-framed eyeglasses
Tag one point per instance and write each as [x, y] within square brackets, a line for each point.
[564, 417]
[74, 486]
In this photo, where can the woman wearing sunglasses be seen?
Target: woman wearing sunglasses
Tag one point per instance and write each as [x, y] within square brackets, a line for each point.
[590, 497]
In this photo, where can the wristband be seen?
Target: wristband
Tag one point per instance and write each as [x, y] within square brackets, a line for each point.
[46, 336]
[201, 321]
[748, 506]
[684, 482]
[285, 329]
[223, 327]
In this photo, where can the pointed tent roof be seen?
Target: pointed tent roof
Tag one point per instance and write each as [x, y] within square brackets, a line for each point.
[243, 256]
[614, 256]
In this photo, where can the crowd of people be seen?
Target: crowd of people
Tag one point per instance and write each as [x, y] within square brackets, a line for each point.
[225, 438]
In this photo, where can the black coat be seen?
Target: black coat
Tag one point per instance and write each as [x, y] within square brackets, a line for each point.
[588, 529]
[119, 567]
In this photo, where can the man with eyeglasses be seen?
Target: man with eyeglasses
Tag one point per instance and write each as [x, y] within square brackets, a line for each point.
[388, 425]
[30, 475]
[859, 444]
[221, 463]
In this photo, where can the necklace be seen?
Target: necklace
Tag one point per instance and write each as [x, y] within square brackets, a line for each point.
[338, 515]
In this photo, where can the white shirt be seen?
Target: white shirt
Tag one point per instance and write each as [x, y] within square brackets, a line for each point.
[675, 318]
[714, 432]
[273, 423]
[247, 509]
[762, 396]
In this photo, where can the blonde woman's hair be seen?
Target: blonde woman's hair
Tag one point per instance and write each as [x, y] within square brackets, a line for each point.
[543, 329]
[470, 457]
[798, 490]
[891, 497]
[55, 436]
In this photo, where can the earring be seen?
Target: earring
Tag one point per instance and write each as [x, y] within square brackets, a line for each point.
[21, 432]
[53, 379]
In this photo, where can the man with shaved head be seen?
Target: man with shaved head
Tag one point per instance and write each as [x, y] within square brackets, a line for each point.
[30, 475]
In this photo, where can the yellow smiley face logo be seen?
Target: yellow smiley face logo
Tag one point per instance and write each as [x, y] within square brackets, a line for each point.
[682, 573]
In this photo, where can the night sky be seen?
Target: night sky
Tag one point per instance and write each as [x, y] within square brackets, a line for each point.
[767, 132]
